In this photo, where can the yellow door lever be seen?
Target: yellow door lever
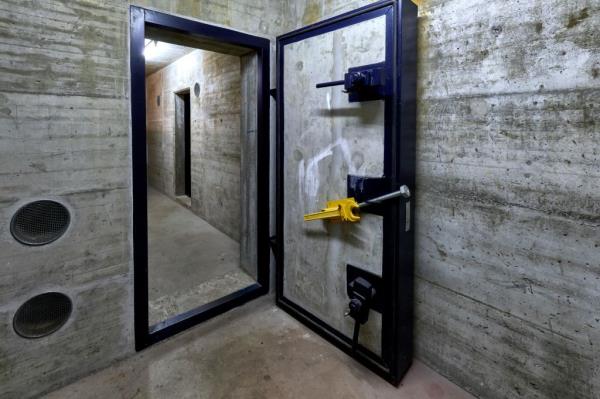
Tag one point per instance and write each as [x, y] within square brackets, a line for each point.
[346, 210]
[339, 210]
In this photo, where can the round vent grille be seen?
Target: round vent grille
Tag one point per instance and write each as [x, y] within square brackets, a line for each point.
[42, 315]
[40, 222]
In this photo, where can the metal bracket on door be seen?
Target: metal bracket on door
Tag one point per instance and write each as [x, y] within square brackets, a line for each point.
[372, 192]
[363, 188]
[363, 83]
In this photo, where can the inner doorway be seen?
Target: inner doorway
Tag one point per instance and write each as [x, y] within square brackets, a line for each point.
[183, 168]
[200, 152]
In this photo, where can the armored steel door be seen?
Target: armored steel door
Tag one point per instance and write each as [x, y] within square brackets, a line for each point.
[346, 129]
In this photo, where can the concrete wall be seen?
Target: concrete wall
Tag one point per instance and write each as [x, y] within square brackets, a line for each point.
[215, 134]
[64, 133]
[248, 198]
[508, 206]
[507, 200]
[216, 144]
[508, 215]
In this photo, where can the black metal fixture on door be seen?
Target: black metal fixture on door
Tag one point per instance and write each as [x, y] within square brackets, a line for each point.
[365, 292]
[363, 83]
[361, 293]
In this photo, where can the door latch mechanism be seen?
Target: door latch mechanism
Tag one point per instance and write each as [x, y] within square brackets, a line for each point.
[361, 294]
[363, 83]
[346, 209]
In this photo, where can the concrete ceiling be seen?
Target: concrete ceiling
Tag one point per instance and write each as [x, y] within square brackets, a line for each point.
[162, 54]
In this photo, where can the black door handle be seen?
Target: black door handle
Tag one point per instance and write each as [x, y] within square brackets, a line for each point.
[329, 84]
[363, 83]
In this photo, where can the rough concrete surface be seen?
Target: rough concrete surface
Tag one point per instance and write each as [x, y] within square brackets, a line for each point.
[248, 200]
[190, 263]
[508, 214]
[256, 351]
[507, 220]
[65, 134]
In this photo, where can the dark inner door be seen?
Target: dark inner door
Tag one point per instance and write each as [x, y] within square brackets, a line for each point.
[188, 146]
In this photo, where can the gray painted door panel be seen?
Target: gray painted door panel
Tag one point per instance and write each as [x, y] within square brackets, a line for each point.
[327, 138]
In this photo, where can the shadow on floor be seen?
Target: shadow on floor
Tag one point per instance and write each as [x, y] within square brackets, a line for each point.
[255, 351]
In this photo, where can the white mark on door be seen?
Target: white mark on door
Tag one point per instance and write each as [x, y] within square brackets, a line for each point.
[308, 176]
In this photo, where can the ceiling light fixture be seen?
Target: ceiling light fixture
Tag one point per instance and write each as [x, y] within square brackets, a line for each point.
[151, 49]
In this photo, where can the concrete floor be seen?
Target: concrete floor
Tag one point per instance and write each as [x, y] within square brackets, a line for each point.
[190, 262]
[255, 351]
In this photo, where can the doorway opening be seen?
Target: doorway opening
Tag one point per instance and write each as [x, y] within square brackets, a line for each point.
[183, 161]
[200, 140]
[198, 167]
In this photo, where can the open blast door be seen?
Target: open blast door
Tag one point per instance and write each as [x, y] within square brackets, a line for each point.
[346, 159]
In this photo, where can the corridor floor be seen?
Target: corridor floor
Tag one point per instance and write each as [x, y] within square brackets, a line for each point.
[190, 263]
[256, 351]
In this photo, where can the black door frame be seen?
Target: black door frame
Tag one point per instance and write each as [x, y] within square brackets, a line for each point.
[399, 169]
[140, 20]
